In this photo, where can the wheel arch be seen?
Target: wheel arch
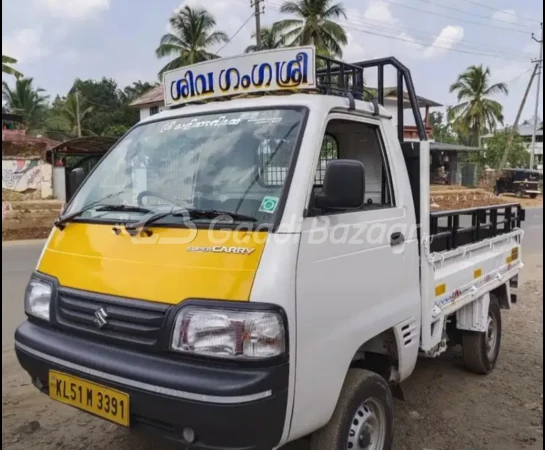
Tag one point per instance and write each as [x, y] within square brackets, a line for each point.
[392, 354]
[503, 295]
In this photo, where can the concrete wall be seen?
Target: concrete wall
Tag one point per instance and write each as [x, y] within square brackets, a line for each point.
[27, 175]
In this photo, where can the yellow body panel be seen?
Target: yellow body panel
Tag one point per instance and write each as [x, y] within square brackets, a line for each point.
[161, 268]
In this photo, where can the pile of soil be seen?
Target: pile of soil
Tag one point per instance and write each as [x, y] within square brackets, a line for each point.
[451, 200]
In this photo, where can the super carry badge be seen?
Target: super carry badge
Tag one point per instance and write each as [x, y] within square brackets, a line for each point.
[269, 204]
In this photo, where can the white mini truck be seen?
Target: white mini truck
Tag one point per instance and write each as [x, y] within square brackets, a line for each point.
[306, 327]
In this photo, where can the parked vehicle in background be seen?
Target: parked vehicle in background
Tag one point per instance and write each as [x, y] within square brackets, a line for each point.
[520, 182]
[332, 277]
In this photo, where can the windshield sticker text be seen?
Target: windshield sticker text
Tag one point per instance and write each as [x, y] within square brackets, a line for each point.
[196, 123]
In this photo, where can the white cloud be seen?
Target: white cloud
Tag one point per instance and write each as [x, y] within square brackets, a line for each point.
[24, 45]
[353, 51]
[73, 9]
[448, 39]
[380, 12]
[506, 15]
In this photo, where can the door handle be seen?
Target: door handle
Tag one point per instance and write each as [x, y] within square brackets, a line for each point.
[397, 239]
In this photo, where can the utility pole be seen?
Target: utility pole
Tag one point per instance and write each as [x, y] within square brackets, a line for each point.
[503, 161]
[538, 97]
[78, 120]
[258, 12]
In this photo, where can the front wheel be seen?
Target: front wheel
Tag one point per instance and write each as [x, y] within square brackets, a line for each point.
[534, 196]
[364, 417]
[519, 194]
[481, 350]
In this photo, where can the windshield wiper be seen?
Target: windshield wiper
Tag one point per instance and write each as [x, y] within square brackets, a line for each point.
[192, 213]
[61, 222]
[207, 213]
[123, 208]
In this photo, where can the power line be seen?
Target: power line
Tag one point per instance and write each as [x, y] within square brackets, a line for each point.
[430, 2]
[519, 76]
[510, 13]
[236, 33]
[350, 24]
[433, 45]
[499, 51]
[432, 13]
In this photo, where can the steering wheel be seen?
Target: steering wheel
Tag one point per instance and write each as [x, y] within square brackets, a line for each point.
[148, 193]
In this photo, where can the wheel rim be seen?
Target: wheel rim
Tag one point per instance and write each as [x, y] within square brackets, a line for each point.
[492, 338]
[368, 427]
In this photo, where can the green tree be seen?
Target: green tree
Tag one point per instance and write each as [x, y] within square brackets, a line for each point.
[7, 61]
[191, 38]
[116, 131]
[137, 89]
[271, 39]
[442, 131]
[110, 104]
[476, 114]
[315, 25]
[26, 101]
[64, 120]
[495, 146]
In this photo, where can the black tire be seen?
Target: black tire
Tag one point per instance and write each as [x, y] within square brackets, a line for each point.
[533, 195]
[360, 386]
[479, 356]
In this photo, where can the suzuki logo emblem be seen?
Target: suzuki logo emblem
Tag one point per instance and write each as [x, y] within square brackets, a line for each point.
[100, 318]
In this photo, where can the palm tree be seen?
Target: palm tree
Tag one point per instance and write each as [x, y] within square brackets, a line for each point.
[66, 119]
[7, 69]
[26, 101]
[191, 38]
[314, 25]
[271, 39]
[476, 114]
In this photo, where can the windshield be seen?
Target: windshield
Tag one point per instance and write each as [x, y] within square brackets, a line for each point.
[233, 163]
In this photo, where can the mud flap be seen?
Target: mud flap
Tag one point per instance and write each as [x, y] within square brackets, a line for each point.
[474, 317]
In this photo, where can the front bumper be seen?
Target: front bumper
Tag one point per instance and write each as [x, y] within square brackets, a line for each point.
[229, 407]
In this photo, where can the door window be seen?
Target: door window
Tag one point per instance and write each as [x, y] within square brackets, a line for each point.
[363, 142]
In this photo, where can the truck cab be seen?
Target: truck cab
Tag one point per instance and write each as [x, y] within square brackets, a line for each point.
[259, 264]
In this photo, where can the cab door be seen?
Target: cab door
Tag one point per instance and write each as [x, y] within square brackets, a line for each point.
[357, 272]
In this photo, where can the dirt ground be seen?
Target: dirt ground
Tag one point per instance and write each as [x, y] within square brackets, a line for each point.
[446, 407]
[26, 233]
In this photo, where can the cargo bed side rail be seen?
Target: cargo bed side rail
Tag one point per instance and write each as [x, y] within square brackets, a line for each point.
[450, 230]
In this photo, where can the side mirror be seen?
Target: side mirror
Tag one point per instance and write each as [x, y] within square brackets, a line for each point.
[344, 186]
[76, 178]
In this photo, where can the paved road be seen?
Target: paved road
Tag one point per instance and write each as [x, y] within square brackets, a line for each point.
[18, 262]
[19, 259]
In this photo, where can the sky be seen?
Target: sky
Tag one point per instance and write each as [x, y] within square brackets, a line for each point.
[57, 41]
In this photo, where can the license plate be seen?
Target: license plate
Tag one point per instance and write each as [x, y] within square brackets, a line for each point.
[91, 397]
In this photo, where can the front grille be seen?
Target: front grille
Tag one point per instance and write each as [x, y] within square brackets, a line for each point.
[132, 321]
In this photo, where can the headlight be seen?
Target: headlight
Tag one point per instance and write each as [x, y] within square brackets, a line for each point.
[229, 333]
[38, 298]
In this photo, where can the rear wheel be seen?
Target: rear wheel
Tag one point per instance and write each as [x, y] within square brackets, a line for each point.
[481, 350]
[533, 195]
[364, 417]
[519, 194]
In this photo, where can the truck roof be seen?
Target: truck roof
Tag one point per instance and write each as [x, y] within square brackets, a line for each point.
[310, 101]
[278, 77]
